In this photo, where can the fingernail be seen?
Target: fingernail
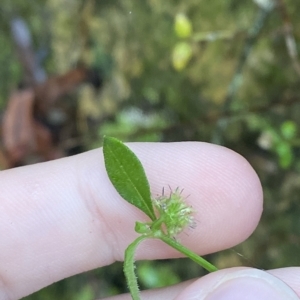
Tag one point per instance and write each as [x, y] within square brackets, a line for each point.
[237, 284]
[251, 285]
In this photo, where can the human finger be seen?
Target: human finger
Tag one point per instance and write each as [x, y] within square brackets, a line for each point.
[64, 217]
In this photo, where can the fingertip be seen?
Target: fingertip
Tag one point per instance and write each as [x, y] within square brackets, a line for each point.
[219, 183]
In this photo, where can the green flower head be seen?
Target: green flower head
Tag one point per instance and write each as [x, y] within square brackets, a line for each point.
[175, 213]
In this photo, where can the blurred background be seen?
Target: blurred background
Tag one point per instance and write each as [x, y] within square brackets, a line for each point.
[224, 72]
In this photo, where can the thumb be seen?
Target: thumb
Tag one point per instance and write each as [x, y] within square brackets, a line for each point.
[236, 284]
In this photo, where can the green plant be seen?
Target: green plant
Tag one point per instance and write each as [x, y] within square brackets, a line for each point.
[169, 215]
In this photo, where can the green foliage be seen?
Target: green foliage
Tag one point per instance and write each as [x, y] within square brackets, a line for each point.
[135, 122]
[85, 294]
[281, 141]
[288, 130]
[182, 53]
[183, 26]
[151, 276]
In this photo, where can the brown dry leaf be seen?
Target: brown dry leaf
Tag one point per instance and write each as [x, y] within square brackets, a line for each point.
[17, 131]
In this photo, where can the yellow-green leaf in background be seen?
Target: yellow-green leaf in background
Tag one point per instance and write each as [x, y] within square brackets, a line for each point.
[183, 26]
[181, 55]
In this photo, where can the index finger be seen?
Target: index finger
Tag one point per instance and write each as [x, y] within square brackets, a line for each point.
[64, 217]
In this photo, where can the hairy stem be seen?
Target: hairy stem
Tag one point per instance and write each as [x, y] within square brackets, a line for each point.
[129, 268]
[193, 256]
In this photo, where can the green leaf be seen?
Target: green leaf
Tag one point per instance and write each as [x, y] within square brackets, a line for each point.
[288, 130]
[181, 55]
[183, 26]
[127, 175]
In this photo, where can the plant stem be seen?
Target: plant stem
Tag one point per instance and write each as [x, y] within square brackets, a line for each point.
[129, 268]
[156, 224]
[193, 256]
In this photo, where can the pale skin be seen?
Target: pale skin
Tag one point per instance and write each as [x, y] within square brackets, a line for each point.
[64, 217]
